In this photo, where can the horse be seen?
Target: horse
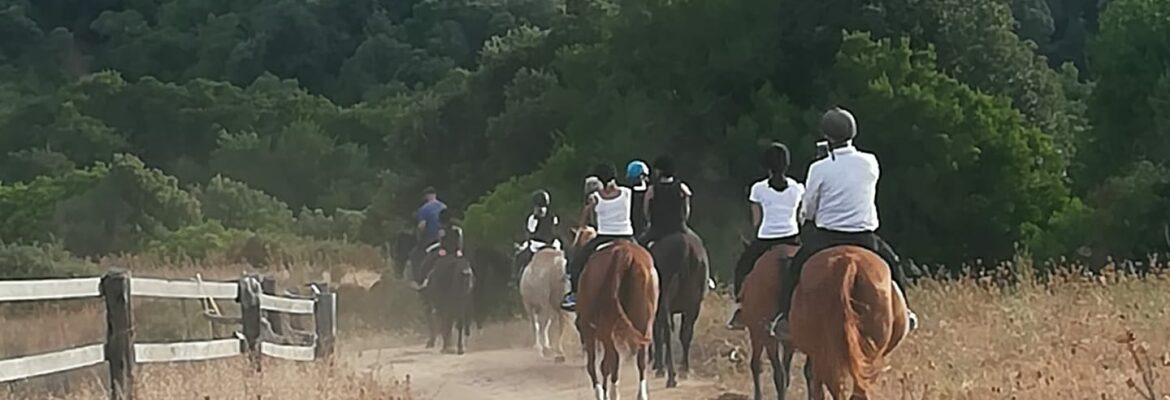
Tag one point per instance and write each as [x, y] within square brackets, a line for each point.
[449, 295]
[847, 316]
[760, 307]
[617, 298]
[542, 285]
[682, 265]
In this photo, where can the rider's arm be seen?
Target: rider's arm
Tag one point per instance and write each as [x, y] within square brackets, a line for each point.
[587, 211]
[757, 215]
[646, 202]
[812, 195]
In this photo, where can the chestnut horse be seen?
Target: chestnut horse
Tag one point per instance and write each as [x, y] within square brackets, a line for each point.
[847, 316]
[759, 309]
[617, 297]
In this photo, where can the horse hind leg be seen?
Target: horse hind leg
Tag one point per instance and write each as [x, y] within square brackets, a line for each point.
[557, 323]
[686, 335]
[610, 367]
[536, 328]
[781, 365]
[643, 389]
[755, 365]
[590, 347]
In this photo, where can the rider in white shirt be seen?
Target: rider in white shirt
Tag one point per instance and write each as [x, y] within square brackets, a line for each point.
[774, 204]
[841, 202]
[611, 207]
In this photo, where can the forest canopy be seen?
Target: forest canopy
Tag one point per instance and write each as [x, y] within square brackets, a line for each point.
[187, 127]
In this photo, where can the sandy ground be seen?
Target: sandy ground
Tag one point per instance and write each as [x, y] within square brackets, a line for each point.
[501, 364]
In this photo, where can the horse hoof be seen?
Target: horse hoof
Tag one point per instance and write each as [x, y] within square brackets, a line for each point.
[659, 373]
[559, 360]
[671, 383]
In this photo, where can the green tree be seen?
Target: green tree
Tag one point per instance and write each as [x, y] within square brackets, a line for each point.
[969, 148]
[237, 206]
[1130, 104]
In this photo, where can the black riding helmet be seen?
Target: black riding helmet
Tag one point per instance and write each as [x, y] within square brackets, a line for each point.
[838, 126]
[664, 165]
[541, 198]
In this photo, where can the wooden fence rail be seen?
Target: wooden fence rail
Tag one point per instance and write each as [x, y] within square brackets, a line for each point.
[120, 352]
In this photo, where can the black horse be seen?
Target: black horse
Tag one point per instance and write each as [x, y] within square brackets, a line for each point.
[683, 268]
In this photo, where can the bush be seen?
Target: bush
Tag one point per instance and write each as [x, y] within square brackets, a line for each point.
[344, 225]
[237, 206]
[41, 261]
[197, 242]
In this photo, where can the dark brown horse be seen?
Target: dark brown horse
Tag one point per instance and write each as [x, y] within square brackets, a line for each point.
[759, 309]
[449, 294]
[683, 267]
[847, 317]
[617, 298]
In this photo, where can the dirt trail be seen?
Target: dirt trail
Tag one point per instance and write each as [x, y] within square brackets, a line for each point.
[497, 366]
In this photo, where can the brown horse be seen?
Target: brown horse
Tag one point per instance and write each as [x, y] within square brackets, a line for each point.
[847, 317]
[617, 297]
[759, 309]
[682, 265]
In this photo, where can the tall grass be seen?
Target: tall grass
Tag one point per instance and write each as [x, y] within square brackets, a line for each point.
[1071, 338]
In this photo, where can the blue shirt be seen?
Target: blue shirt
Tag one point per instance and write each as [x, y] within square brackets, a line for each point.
[429, 214]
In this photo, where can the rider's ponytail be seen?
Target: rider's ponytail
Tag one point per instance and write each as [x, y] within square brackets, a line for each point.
[776, 160]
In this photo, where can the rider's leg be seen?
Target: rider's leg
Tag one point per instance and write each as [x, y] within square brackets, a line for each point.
[747, 260]
[577, 265]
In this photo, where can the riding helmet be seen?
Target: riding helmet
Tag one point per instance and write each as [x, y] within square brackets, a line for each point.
[637, 169]
[541, 198]
[838, 125]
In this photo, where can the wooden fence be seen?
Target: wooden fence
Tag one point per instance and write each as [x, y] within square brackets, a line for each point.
[120, 352]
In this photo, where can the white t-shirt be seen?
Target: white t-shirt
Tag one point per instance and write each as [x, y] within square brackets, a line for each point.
[613, 215]
[779, 208]
[842, 190]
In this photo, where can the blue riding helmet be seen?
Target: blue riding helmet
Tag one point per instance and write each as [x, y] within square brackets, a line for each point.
[637, 169]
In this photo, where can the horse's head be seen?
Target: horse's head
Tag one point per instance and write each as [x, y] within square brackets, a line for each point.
[581, 236]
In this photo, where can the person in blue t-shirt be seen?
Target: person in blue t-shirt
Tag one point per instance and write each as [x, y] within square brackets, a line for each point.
[428, 217]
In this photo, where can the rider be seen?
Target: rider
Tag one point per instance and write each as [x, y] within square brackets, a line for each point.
[611, 206]
[667, 203]
[774, 203]
[541, 227]
[428, 218]
[450, 241]
[840, 201]
[638, 176]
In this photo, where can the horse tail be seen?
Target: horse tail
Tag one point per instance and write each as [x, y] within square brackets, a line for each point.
[856, 355]
[623, 327]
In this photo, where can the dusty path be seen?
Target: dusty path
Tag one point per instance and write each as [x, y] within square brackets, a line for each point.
[498, 367]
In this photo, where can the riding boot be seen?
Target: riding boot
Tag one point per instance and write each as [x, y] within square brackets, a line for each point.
[779, 326]
[898, 275]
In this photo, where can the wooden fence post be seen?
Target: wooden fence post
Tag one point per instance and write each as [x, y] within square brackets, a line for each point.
[325, 319]
[268, 285]
[119, 347]
[248, 296]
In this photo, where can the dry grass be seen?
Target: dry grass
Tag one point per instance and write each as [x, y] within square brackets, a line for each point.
[1073, 339]
[226, 379]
